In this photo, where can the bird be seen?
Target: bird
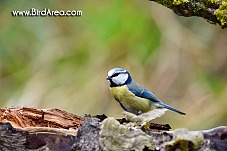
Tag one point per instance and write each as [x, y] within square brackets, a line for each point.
[131, 96]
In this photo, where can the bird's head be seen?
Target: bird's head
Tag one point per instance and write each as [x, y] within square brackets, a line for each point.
[118, 77]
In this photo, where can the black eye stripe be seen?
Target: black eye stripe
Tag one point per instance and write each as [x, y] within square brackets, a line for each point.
[115, 74]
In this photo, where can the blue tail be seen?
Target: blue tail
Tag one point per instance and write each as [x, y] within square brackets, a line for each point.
[170, 108]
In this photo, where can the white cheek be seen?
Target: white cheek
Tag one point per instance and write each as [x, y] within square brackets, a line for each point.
[120, 79]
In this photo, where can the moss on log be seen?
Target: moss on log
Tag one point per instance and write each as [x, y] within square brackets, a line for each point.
[26, 129]
[214, 11]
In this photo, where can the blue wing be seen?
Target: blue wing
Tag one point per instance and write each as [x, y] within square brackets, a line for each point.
[140, 91]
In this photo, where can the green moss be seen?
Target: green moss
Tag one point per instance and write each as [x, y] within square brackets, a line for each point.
[213, 1]
[178, 2]
[221, 13]
[169, 3]
[184, 140]
[199, 8]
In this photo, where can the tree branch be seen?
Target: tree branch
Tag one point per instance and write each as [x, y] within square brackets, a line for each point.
[214, 11]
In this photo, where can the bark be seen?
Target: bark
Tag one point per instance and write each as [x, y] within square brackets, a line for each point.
[30, 128]
[25, 129]
[214, 11]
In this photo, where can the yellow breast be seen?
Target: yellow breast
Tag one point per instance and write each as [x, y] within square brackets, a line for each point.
[131, 102]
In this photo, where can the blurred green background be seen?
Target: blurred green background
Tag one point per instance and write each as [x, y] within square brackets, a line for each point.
[62, 62]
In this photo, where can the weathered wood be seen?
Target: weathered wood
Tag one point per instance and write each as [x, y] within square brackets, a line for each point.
[15, 139]
[31, 128]
[25, 129]
[32, 117]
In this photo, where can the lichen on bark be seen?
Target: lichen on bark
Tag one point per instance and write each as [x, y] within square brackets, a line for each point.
[221, 13]
[214, 11]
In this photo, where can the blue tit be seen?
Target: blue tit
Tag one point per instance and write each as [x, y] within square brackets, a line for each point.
[131, 96]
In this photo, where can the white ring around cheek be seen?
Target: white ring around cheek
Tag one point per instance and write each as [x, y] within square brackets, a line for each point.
[111, 72]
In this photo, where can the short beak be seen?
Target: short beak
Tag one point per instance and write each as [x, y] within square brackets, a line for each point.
[108, 78]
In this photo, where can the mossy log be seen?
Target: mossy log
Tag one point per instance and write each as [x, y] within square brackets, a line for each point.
[214, 11]
[25, 129]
